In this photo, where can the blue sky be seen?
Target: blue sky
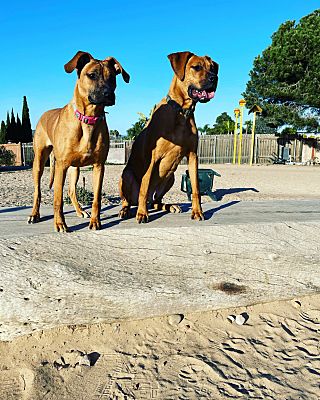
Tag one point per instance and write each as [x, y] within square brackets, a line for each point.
[38, 38]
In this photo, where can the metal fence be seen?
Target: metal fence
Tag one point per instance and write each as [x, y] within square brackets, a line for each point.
[213, 149]
[27, 153]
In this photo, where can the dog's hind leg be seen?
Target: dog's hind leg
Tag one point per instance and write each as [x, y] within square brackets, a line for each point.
[41, 155]
[129, 192]
[160, 191]
[73, 180]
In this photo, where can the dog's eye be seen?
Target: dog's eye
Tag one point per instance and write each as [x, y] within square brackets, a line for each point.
[92, 76]
[197, 67]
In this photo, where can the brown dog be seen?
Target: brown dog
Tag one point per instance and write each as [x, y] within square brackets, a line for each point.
[78, 135]
[170, 135]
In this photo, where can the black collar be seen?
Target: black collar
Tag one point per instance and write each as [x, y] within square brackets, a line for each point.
[186, 112]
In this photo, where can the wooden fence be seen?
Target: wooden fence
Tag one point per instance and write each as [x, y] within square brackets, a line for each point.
[213, 149]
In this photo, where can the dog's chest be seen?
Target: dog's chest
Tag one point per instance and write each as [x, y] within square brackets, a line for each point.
[87, 152]
[92, 145]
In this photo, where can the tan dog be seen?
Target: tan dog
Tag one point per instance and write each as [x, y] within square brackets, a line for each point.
[170, 135]
[78, 136]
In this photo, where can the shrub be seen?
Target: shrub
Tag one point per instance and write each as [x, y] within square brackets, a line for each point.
[84, 196]
[7, 157]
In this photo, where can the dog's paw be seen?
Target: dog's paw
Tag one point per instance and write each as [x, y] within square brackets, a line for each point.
[94, 224]
[83, 214]
[60, 226]
[197, 215]
[33, 219]
[174, 208]
[142, 217]
[124, 212]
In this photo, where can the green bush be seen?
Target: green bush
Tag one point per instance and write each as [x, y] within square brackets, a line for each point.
[84, 196]
[7, 157]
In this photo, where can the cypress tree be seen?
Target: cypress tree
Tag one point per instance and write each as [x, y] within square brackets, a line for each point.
[13, 128]
[26, 124]
[19, 131]
[8, 130]
[3, 132]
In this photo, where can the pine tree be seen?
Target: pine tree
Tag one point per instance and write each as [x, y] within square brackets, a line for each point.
[285, 78]
[3, 132]
[26, 124]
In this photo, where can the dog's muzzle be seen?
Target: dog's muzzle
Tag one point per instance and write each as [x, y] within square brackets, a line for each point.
[107, 99]
[202, 95]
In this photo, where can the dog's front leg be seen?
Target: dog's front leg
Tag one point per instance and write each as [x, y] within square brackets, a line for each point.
[98, 172]
[142, 212]
[196, 212]
[59, 179]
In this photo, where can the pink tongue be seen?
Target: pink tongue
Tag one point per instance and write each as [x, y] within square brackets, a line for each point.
[203, 94]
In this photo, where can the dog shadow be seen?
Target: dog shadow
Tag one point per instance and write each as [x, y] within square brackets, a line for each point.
[13, 209]
[220, 193]
[103, 218]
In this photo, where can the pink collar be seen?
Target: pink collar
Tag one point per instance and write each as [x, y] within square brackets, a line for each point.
[86, 119]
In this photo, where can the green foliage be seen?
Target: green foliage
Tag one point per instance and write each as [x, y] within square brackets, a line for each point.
[114, 133]
[247, 127]
[19, 130]
[3, 132]
[84, 196]
[285, 79]
[137, 127]
[262, 128]
[206, 130]
[224, 125]
[16, 130]
[11, 128]
[288, 131]
[7, 157]
[26, 124]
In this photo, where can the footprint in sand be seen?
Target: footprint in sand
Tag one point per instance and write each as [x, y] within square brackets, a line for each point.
[16, 384]
[183, 377]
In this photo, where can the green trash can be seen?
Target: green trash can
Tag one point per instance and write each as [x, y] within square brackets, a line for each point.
[205, 177]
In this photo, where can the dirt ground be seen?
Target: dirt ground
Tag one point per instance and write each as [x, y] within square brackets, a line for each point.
[259, 182]
[274, 355]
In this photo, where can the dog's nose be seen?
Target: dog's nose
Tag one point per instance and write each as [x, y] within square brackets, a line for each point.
[212, 77]
[107, 92]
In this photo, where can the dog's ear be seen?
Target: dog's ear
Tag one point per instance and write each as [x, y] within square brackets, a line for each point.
[179, 61]
[78, 62]
[118, 67]
[214, 65]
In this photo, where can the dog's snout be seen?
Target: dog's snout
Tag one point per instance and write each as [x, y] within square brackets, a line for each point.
[212, 77]
[107, 92]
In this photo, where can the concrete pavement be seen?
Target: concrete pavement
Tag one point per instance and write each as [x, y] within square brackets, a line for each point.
[13, 221]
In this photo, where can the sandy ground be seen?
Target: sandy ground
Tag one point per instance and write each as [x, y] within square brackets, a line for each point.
[264, 182]
[274, 355]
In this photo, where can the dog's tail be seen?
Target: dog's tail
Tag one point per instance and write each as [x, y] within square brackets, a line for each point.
[52, 168]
